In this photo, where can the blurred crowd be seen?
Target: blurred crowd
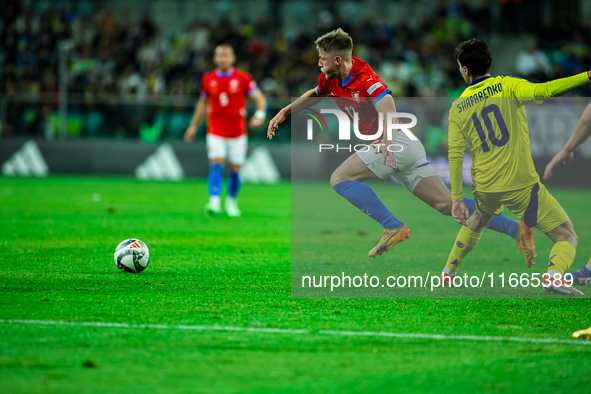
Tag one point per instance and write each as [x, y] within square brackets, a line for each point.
[129, 56]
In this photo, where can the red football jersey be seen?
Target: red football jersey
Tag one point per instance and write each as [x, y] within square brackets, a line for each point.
[357, 93]
[226, 113]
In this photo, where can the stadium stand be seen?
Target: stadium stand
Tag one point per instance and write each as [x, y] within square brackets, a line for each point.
[128, 58]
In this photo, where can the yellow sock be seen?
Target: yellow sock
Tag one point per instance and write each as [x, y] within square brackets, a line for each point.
[561, 257]
[465, 242]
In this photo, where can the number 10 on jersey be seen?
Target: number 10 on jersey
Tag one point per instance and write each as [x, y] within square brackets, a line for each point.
[484, 114]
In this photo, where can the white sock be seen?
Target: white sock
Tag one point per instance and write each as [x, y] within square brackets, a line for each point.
[552, 273]
[447, 271]
[215, 200]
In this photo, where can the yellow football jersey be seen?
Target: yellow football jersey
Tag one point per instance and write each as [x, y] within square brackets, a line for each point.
[490, 116]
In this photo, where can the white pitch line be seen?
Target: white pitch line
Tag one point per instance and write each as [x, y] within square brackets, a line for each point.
[438, 337]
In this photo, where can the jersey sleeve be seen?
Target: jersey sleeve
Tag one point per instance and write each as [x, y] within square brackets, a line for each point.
[457, 147]
[374, 87]
[204, 87]
[321, 89]
[250, 84]
[558, 87]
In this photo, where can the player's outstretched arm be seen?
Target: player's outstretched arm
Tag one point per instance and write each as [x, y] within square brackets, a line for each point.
[198, 116]
[261, 109]
[579, 135]
[555, 88]
[296, 106]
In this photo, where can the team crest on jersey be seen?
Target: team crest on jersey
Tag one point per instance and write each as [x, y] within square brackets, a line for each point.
[234, 84]
[355, 95]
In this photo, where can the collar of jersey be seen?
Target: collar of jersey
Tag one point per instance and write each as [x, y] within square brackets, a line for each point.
[478, 81]
[346, 80]
[225, 75]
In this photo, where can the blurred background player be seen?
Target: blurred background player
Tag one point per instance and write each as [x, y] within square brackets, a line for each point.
[223, 98]
[502, 167]
[345, 76]
[579, 135]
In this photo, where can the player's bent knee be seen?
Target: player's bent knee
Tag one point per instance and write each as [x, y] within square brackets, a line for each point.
[336, 178]
[564, 233]
[568, 233]
[570, 237]
[477, 221]
[573, 238]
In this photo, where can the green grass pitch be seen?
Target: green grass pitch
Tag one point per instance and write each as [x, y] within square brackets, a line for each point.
[58, 235]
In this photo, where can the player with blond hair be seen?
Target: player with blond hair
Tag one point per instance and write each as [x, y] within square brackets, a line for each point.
[349, 78]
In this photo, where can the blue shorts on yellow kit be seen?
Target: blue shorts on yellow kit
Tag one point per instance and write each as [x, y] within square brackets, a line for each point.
[534, 205]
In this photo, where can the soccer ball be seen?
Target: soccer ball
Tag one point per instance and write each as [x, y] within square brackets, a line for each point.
[132, 255]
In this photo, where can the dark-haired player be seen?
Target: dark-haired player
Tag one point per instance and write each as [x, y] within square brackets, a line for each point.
[490, 116]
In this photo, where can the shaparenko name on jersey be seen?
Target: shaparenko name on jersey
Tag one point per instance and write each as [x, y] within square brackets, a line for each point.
[477, 97]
